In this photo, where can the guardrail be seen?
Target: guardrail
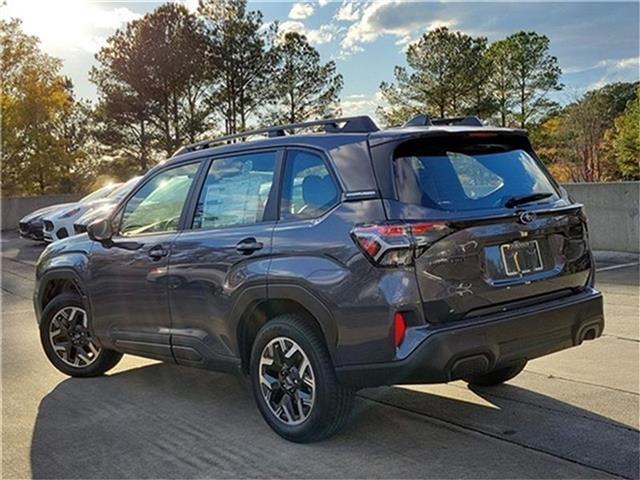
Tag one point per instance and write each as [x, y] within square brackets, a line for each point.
[14, 208]
[612, 209]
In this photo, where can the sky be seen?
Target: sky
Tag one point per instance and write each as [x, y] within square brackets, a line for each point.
[595, 42]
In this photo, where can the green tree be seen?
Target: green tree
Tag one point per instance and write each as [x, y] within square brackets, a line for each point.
[40, 152]
[444, 77]
[626, 140]
[583, 135]
[152, 80]
[240, 61]
[501, 82]
[303, 87]
[525, 73]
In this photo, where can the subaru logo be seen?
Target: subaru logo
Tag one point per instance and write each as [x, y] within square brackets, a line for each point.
[527, 217]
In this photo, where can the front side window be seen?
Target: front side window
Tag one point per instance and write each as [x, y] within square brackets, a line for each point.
[157, 206]
[308, 190]
[235, 191]
[477, 177]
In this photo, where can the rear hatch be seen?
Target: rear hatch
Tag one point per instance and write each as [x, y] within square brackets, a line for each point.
[503, 235]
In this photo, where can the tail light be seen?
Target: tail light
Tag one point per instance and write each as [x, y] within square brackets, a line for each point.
[397, 244]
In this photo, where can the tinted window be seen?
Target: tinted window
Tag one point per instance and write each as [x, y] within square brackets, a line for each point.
[308, 190]
[467, 180]
[157, 206]
[236, 191]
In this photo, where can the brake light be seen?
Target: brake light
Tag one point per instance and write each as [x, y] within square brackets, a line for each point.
[482, 134]
[397, 244]
[399, 328]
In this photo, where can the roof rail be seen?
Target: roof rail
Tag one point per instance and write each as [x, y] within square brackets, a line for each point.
[422, 120]
[361, 124]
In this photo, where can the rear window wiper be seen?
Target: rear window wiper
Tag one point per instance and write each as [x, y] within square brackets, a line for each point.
[522, 199]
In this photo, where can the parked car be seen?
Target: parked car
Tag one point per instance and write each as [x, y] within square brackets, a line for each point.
[318, 264]
[62, 223]
[104, 207]
[31, 226]
[58, 224]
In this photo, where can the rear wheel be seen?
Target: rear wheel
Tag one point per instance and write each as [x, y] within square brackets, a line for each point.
[294, 383]
[67, 340]
[496, 377]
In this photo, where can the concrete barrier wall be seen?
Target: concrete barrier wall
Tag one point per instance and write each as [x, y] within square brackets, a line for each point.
[612, 210]
[14, 208]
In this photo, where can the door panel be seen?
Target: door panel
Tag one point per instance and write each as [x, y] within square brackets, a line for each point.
[209, 277]
[222, 260]
[129, 278]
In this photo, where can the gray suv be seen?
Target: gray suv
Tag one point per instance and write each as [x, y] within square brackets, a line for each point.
[322, 262]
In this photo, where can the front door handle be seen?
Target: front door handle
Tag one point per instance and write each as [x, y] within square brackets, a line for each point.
[248, 245]
[157, 252]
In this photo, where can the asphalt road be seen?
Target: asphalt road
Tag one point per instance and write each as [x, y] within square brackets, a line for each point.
[573, 414]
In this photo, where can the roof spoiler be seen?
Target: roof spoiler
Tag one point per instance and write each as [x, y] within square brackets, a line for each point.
[423, 120]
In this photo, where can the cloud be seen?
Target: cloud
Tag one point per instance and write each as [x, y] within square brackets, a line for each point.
[359, 104]
[192, 5]
[349, 11]
[318, 36]
[66, 25]
[609, 63]
[301, 10]
[615, 70]
[322, 3]
[398, 18]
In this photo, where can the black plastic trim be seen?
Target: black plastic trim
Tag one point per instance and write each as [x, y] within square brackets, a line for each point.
[446, 353]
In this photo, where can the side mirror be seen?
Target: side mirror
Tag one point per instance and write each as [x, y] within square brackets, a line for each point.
[100, 230]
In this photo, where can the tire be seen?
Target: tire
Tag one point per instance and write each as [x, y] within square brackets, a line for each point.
[69, 360]
[323, 410]
[496, 377]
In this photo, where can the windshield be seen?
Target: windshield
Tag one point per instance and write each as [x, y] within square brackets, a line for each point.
[484, 177]
[123, 189]
[100, 193]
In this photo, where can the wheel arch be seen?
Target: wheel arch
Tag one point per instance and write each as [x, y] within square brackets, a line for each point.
[284, 299]
[55, 282]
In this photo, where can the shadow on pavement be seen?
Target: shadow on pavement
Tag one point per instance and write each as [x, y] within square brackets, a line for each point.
[166, 421]
[530, 419]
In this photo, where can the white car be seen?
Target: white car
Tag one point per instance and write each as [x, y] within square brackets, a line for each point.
[59, 224]
[105, 208]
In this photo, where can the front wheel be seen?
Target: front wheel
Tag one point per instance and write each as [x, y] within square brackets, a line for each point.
[67, 340]
[294, 383]
[496, 377]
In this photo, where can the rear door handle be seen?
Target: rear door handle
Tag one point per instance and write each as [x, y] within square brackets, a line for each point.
[248, 245]
[157, 251]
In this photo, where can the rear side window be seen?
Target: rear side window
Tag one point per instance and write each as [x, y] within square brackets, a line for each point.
[308, 189]
[473, 177]
[235, 191]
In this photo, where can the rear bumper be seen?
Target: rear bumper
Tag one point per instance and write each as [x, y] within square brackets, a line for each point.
[440, 354]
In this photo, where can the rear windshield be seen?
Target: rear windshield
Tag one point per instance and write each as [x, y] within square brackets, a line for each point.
[475, 177]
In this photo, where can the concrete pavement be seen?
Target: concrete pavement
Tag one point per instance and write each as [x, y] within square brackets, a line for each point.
[573, 414]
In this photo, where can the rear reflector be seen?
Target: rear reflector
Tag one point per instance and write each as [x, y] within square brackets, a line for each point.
[399, 328]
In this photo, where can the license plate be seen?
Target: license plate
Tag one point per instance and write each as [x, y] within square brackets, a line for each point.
[520, 258]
